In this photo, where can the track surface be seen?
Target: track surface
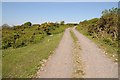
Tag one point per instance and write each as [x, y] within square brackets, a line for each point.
[60, 64]
[97, 65]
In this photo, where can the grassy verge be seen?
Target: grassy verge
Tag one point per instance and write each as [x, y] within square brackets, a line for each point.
[78, 70]
[24, 62]
[73, 36]
[109, 50]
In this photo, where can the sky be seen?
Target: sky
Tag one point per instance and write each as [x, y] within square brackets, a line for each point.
[16, 13]
[59, 0]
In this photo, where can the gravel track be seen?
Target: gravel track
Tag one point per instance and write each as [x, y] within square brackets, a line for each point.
[60, 64]
[97, 64]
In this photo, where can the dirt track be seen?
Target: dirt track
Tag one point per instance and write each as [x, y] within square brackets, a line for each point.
[97, 65]
[60, 65]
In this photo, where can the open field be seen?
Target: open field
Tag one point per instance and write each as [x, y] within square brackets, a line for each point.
[24, 62]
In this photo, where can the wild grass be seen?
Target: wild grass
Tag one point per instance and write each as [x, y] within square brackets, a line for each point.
[23, 62]
[73, 36]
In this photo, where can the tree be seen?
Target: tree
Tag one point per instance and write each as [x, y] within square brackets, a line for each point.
[27, 24]
[5, 26]
[105, 12]
[62, 22]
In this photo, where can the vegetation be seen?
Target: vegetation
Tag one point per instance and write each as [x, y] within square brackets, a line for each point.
[23, 62]
[103, 30]
[24, 46]
[23, 35]
[77, 62]
[75, 39]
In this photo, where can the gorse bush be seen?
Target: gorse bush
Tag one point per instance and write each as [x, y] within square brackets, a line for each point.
[28, 33]
[27, 24]
[104, 27]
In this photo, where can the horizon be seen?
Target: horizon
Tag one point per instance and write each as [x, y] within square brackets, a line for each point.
[17, 13]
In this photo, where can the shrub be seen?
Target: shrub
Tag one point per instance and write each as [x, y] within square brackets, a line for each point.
[27, 24]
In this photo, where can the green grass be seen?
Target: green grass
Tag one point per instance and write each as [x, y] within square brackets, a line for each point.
[111, 50]
[24, 62]
[73, 36]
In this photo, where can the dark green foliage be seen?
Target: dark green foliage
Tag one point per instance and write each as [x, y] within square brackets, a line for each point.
[62, 22]
[104, 28]
[110, 11]
[71, 24]
[19, 36]
[27, 24]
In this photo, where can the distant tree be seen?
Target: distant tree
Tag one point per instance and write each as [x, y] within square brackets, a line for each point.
[56, 24]
[27, 24]
[5, 26]
[62, 22]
